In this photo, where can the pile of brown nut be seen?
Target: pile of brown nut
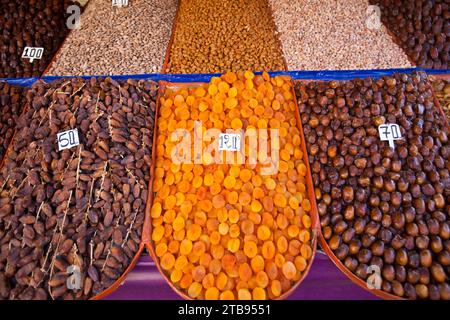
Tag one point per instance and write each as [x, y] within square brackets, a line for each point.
[37, 23]
[12, 100]
[380, 206]
[422, 27]
[78, 212]
[224, 35]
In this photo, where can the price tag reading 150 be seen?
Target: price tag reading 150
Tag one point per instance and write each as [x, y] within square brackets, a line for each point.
[229, 142]
[389, 132]
[68, 139]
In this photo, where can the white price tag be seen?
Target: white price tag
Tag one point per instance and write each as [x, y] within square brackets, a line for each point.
[229, 142]
[68, 139]
[119, 3]
[390, 132]
[32, 53]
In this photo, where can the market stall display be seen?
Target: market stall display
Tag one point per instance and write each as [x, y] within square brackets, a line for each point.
[228, 177]
[224, 227]
[382, 204]
[224, 35]
[442, 89]
[422, 28]
[38, 23]
[333, 37]
[75, 214]
[113, 40]
[12, 100]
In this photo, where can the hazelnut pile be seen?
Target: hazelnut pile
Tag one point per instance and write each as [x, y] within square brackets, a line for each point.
[224, 35]
[381, 206]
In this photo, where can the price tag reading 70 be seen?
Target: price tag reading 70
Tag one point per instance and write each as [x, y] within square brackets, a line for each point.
[390, 132]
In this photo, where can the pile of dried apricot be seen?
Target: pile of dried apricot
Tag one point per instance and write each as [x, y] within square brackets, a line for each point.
[226, 230]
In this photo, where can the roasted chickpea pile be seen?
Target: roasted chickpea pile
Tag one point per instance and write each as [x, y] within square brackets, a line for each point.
[225, 231]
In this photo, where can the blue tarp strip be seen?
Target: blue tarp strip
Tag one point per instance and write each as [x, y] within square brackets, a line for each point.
[297, 75]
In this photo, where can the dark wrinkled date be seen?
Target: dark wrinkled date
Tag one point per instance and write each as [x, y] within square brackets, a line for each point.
[81, 207]
[422, 28]
[40, 23]
[380, 206]
[12, 101]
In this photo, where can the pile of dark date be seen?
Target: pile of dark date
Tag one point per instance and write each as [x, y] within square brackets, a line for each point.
[71, 221]
[30, 23]
[12, 100]
[422, 27]
[380, 206]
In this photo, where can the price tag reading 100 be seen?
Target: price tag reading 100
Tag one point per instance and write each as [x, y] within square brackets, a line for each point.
[32, 53]
[229, 142]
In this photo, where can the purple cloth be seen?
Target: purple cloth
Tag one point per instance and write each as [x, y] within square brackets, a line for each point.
[324, 282]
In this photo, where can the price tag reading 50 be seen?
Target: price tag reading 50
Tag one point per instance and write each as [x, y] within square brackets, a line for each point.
[68, 139]
[229, 142]
[390, 132]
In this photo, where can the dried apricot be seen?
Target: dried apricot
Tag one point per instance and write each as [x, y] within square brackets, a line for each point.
[257, 263]
[263, 232]
[250, 249]
[167, 261]
[259, 294]
[233, 245]
[185, 246]
[244, 294]
[229, 182]
[244, 198]
[289, 270]
[262, 280]
[280, 200]
[227, 295]
[212, 293]
[256, 206]
[275, 288]
[268, 250]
